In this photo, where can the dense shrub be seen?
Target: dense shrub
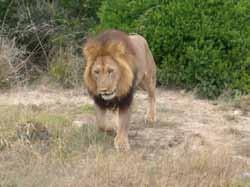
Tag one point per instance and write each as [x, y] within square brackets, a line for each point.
[123, 14]
[69, 18]
[196, 44]
[73, 19]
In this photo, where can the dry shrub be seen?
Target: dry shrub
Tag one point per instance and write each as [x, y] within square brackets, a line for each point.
[243, 103]
[66, 67]
[12, 63]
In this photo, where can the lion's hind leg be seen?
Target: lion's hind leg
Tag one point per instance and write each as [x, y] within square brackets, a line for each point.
[149, 85]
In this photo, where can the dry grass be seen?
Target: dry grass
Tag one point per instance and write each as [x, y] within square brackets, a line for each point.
[187, 147]
[244, 104]
[241, 104]
[179, 169]
[84, 157]
[66, 67]
[97, 166]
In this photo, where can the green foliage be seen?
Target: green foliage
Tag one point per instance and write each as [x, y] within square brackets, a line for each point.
[73, 19]
[123, 14]
[4, 71]
[69, 19]
[196, 44]
[7, 9]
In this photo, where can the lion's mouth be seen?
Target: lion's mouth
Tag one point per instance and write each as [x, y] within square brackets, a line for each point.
[108, 96]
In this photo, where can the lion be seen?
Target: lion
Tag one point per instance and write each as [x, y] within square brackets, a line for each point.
[116, 64]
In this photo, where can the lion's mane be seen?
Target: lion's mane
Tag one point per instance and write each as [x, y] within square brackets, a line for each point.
[118, 46]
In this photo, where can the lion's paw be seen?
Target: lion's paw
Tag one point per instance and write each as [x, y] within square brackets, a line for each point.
[150, 118]
[121, 144]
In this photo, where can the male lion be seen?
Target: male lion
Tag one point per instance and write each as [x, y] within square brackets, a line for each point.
[116, 64]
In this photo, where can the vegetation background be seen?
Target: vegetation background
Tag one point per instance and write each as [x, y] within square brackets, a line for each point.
[47, 132]
[200, 45]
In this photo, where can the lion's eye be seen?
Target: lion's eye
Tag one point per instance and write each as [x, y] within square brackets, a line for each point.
[110, 71]
[96, 72]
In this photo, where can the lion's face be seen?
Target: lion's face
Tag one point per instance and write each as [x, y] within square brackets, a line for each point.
[106, 74]
[110, 69]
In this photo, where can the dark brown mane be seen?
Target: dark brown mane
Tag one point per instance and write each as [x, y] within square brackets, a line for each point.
[122, 103]
[114, 35]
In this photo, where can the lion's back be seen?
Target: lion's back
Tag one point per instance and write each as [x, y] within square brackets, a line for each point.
[145, 62]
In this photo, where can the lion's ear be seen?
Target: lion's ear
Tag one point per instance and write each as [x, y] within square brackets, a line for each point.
[91, 49]
[117, 48]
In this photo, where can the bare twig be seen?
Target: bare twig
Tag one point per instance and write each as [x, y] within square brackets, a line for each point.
[37, 36]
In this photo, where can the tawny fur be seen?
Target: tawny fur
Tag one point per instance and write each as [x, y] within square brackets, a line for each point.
[137, 68]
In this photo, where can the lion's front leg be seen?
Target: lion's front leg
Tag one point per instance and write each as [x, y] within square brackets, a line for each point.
[121, 140]
[103, 124]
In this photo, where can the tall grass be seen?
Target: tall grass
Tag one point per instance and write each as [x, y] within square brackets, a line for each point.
[85, 157]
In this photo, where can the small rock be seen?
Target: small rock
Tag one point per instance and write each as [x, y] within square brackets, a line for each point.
[245, 176]
[237, 112]
[183, 92]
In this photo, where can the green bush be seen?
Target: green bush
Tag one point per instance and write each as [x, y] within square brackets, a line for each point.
[73, 19]
[123, 14]
[196, 44]
[69, 20]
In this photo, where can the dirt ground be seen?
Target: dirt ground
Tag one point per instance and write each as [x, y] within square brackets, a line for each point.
[183, 121]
